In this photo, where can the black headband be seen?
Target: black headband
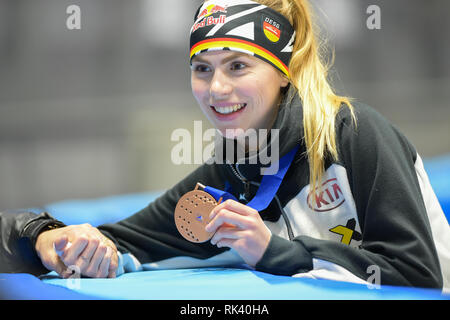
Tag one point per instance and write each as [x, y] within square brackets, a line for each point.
[243, 26]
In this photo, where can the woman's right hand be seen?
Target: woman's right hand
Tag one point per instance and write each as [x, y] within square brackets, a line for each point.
[81, 246]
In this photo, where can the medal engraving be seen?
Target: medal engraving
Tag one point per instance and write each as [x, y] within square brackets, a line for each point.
[192, 214]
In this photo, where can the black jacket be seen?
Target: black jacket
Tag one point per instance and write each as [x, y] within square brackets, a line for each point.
[375, 210]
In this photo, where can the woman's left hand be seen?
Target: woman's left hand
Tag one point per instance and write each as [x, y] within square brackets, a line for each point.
[239, 227]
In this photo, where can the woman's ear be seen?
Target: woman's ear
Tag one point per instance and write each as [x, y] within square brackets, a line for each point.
[284, 81]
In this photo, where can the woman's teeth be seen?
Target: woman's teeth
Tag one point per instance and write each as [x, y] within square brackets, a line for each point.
[229, 109]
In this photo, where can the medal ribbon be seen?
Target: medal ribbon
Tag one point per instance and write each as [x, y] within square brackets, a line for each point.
[267, 189]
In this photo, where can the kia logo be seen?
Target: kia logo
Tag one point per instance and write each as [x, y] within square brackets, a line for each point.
[329, 197]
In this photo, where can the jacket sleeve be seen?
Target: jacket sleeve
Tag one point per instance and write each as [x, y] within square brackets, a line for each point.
[395, 230]
[149, 239]
[19, 231]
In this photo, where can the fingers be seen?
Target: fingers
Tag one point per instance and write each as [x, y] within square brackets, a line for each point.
[91, 252]
[90, 249]
[93, 262]
[70, 255]
[93, 268]
[230, 243]
[60, 243]
[103, 268]
[231, 212]
[113, 265]
[241, 228]
[81, 248]
[60, 267]
[225, 217]
[234, 206]
[229, 233]
[84, 259]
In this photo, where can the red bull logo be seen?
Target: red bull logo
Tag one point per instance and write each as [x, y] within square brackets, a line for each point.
[211, 9]
[206, 18]
[209, 21]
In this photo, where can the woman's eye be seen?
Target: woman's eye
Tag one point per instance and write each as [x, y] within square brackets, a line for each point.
[201, 68]
[238, 66]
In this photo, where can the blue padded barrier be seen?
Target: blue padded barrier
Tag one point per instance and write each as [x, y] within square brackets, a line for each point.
[101, 210]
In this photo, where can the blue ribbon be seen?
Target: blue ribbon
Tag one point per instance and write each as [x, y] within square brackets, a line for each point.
[267, 189]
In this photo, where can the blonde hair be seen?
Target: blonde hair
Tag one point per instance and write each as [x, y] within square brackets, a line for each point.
[308, 75]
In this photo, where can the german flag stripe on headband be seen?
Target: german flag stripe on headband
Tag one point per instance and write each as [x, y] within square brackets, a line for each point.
[243, 26]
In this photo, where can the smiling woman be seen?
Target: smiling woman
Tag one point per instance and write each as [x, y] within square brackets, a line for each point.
[350, 196]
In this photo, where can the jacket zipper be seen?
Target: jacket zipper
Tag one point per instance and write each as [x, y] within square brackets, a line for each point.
[247, 183]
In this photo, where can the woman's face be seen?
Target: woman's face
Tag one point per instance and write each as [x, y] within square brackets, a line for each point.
[236, 91]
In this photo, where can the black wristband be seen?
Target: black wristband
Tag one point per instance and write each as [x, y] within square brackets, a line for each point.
[50, 225]
[43, 222]
[45, 226]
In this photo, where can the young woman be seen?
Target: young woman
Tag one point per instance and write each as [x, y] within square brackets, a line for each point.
[355, 197]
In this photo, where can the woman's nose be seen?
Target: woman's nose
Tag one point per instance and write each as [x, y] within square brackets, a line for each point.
[221, 86]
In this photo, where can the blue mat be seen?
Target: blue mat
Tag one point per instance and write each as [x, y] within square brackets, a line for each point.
[201, 284]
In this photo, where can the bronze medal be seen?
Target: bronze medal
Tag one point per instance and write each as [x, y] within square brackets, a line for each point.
[192, 214]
